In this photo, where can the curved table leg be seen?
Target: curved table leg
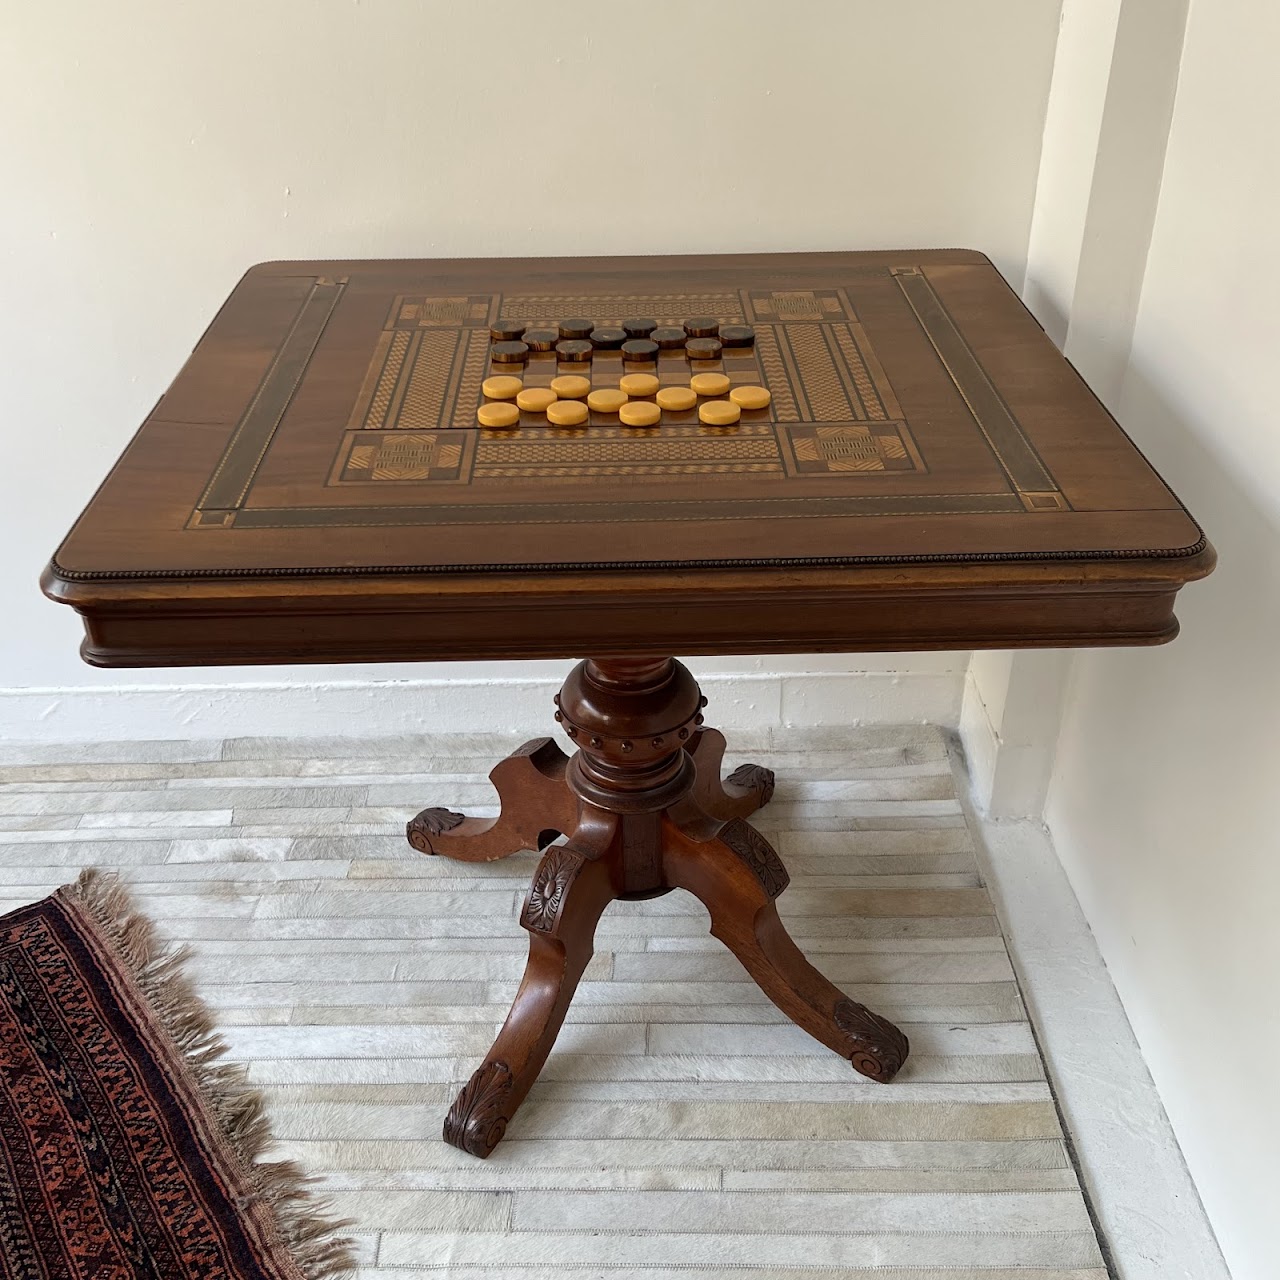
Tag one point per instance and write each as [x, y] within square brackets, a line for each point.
[569, 893]
[748, 788]
[736, 876]
[536, 807]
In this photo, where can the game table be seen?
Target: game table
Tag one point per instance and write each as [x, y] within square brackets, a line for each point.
[818, 452]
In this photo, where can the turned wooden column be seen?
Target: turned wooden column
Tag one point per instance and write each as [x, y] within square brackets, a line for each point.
[630, 719]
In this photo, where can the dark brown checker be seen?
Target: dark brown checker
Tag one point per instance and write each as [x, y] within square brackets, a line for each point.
[701, 348]
[702, 327]
[541, 339]
[575, 349]
[324, 430]
[637, 349]
[508, 352]
[608, 337]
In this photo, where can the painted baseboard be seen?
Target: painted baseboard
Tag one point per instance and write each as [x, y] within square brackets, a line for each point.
[980, 743]
[1127, 1154]
[1010, 750]
[522, 706]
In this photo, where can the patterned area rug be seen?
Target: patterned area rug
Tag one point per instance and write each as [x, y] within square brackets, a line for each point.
[127, 1151]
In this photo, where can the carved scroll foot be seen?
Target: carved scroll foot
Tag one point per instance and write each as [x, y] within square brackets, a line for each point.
[429, 824]
[570, 891]
[879, 1048]
[478, 1118]
[748, 788]
[736, 876]
[536, 808]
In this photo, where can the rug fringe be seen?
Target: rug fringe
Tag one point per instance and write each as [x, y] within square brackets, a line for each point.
[303, 1220]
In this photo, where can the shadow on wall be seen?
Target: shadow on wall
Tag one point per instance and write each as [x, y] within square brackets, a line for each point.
[1202, 707]
[1163, 810]
[1231, 620]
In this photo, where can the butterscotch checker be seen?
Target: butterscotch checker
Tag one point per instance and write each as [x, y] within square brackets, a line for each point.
[570, 386]
[639, 413]
[719, 413]
[567, 413]
[676, 399]
[606, 400]
[638, 384]
[499, 413]
[749, 397]
[536, 399]
[502, 387]
[709, 384]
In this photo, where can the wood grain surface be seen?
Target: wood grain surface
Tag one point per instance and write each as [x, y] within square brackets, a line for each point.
[930, 473]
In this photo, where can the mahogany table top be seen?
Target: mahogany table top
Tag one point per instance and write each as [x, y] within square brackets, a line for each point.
[930, 473]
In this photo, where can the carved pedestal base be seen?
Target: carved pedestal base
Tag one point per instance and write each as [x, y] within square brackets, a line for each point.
[643, 811]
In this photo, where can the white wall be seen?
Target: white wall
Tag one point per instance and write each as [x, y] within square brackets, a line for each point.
[152, 150]
[1163, 805]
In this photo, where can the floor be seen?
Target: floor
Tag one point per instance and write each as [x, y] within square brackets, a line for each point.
[682, 1126]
